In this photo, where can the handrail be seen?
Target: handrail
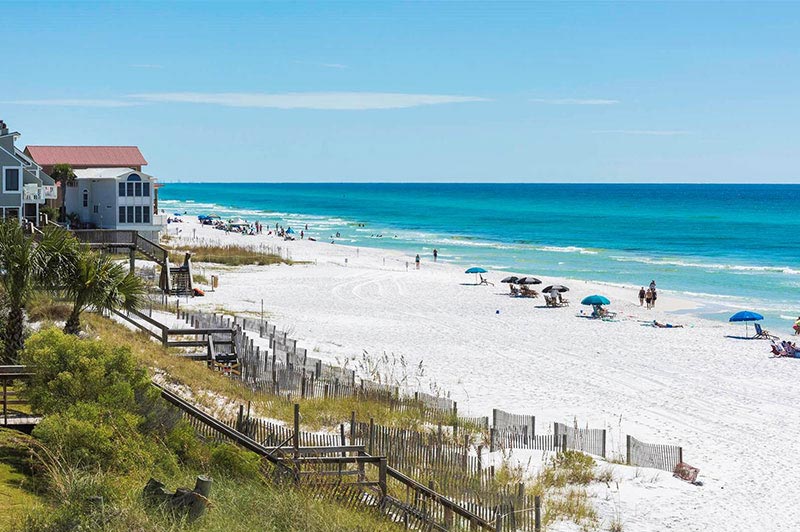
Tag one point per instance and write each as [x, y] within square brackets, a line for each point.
[147, 246]
[266, 452]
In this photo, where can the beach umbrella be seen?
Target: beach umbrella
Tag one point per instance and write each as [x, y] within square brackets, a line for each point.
[512, 279]
[476, 270]
[528, 280]
[557, 287]
[290, 231]
[745, 316]
[595, 300]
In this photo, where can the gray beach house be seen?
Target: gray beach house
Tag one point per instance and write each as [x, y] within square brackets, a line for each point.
[25, 186]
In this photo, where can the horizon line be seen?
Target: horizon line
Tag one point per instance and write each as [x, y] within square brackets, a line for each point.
[181, 182]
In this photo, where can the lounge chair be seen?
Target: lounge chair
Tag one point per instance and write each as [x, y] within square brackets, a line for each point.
[524, 291]
[514, 291]
[763, 333]
[485, 281]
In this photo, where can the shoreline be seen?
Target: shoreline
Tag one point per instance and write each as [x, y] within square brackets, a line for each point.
[710, 301]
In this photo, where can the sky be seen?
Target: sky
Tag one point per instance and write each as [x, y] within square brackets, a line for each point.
[414, 91]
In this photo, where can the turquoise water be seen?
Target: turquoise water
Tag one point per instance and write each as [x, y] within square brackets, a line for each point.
[731, 246]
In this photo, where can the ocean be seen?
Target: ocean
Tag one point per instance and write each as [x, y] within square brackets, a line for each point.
[729, 247]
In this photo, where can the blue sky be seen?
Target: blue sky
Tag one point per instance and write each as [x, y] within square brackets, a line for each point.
[383, 91]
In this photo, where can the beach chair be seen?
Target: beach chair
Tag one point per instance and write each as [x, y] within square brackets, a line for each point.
[549, 301]
[514, 291]
[763, 333]
[563, 302]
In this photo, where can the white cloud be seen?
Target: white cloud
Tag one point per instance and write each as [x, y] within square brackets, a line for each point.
[75, 102]
[309, 100]
[653, 132]
[575, 101]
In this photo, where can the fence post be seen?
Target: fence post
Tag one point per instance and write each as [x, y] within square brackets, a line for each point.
[371, 435]
[240, 418]
[382, 477]
[628, 449]
[342, 440]
[563, 443]
[352, 427]
[604, 443]
[296, 437]
[680, 455]
[494, 417]
[537, 513]
[480, 458]
[491, 440]
[498, 520]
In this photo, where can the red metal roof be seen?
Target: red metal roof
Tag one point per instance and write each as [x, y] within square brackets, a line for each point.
[98, 156]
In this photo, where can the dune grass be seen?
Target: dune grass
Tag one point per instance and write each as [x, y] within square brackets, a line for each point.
[227, 255]
[209, 386]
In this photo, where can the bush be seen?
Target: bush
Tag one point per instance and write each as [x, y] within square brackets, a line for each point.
[70, 370]
[234, 462]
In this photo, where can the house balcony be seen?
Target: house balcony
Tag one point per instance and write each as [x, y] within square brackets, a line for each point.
[49, 192]
[32, 193]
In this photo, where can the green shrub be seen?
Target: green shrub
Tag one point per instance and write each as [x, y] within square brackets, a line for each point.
[70, 370]
[183, 441]
[235, 462]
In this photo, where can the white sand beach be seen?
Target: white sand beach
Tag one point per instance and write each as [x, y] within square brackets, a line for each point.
[731, 406]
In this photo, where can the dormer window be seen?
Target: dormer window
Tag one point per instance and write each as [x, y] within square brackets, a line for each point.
[85, 198]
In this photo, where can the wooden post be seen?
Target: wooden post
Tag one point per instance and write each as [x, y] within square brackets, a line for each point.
[5, 401]
[563, 443]
[680, 455]
[382, 477]
[203, 486]
[371, 436]
[537, 513]
[480, 458]
[628, 449]
[604, 443]
[352, 427]
[498, 520]
[491, 440]
[296, 437]
[132, 260]
[240, 418]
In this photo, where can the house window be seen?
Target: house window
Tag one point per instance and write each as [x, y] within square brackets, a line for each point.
[95, 209]
[122, 215]
[122, 190]
[138, 215]
[11, 180]
[146, 215]
[130, 215]
[146, 189]
[138, 189]
[130, 189]
[85, 198]
[134, 177]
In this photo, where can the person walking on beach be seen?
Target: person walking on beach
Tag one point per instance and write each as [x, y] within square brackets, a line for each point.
[416, 261]
[642, 293]
[648, 298]
[796, 326]
[655, 296]
[435, 254]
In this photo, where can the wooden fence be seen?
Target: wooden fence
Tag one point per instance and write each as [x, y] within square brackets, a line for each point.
[653, 455]
[590, 441]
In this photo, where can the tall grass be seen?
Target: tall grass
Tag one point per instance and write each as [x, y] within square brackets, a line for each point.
[228, 255]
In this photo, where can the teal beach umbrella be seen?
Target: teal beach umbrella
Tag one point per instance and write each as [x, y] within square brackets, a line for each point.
[746, 316]
[476, 270]
[595, 300]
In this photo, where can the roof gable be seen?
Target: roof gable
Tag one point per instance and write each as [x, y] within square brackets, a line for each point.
[98, 156]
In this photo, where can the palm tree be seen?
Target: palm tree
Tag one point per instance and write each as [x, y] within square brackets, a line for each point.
[97, 281]
[29, 263]
[63, 174]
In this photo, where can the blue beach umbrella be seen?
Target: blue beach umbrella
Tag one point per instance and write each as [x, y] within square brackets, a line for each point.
[745, 316]
[290, 231]
[595, 300]
[476, 270]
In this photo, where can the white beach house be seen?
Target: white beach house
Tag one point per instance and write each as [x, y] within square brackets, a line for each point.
[110, 190]
[25, 186]
[115, 198]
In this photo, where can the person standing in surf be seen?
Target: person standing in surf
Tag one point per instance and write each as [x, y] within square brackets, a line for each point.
[642, 293]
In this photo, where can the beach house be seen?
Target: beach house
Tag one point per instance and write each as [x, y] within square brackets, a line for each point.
[25, 185]
[110, 190]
